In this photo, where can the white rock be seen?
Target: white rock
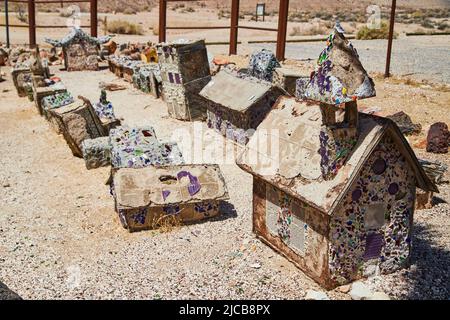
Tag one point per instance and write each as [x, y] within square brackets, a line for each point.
[360, 291]
[379, 296]
[316, 295]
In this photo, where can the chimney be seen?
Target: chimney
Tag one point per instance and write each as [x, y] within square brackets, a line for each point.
[337, 83]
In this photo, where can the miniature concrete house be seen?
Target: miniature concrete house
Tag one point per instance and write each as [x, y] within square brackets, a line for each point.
[189, 193]
[184, 71]
[287, 78]
[236, 106]
[80, 50]
[335, 195]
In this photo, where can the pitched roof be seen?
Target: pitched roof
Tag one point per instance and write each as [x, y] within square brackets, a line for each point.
[233, 92]
[77, 34]
[339, 76]
[295, 126]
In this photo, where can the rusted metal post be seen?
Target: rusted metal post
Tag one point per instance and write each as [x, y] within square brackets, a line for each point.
[391, 37]
[234, 27]
[32, 23]
[94, 18]
[162, 20]
[8, 44]
[282, 29]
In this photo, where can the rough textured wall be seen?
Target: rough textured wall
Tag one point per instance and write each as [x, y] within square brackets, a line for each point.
[291, 227]
[81, 56]
[371, 230]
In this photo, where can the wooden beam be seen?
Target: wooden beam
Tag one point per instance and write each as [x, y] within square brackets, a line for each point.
[8, 44]
[32, 23]
[94, 18]
[162, 20]
[282, 29]
[391, 37]
[234, 27]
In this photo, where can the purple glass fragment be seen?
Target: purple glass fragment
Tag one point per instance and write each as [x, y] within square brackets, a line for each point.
[379, 166]
[194, 186]
[356, 195]
[165, 194]
[374, 244]
[393, 188]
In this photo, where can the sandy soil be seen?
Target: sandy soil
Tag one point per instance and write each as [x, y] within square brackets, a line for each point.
[60, 237]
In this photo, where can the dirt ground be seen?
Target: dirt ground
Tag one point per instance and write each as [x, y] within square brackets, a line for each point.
[61, 239]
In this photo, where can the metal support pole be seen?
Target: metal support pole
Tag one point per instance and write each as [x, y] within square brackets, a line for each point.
[32, 23]
[391, 37]
[162, 20]
[8, 44]
[94, 18]
[282, 29]
[234, 27]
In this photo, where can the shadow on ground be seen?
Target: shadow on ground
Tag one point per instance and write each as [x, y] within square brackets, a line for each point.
[8, 294]
[429, 275]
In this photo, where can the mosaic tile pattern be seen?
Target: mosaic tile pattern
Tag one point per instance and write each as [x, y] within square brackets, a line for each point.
[357, 237]
[57, 100]
[104, 108]
[139, 147]
[335, 147]
[96, 152]
[285, 218]
[263, 64]
[326, 84]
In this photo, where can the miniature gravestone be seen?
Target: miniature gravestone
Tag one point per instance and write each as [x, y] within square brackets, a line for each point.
[139, 148]
[130, 148]
[188, 193]
[80, 50]
[184, 68]
[236, 106]
[22, 78]
[77, 122]
[334, 189]
[54, 101]
[96, 152]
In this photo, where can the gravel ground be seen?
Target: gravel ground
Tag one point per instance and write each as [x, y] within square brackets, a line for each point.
[419, 56]
[60, 237]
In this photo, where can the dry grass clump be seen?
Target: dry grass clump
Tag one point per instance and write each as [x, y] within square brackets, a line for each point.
[365, 33]
[314, 30]
[166, 223]
[124, 27]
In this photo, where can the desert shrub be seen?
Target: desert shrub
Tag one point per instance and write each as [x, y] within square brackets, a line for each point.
[188, 9]
[427, 23]
[365, 33]
[443, 26]
[310, 31]
[155, 30]
[124, 27]
[223, 14]
[129, 11]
